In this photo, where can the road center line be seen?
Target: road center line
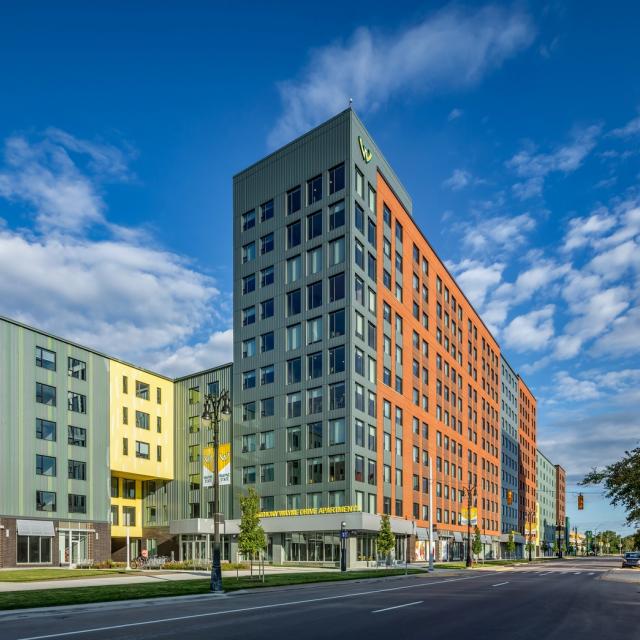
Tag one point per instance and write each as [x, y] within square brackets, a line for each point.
[499, 584]
[399, 606]
[210, 614]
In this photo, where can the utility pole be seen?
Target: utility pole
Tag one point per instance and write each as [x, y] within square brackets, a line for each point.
[470, 491]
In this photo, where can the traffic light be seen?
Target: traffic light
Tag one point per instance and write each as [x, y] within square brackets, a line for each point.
[580, 502]
[509, 497]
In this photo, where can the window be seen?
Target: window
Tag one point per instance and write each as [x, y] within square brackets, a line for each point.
[336, 215]
[142, 390]
[294, 200]
[267, 375]
[294, 439]
[249, 348]
[294, 405]
[248, 316]
[248, 284]
[267, 276]
[249, 379]
[336, 323]
[125, 384]
[142, 420]
[314, 470]
[336, 251]
[359, 254]
[336, 287]
[45, 394]
[294, 235]
[45, 430]
[266, 309]
[249, 411]
[76, 402]
[249, 475]
[314, 189]
[359, 218]
[267, 440]
[125, 446]
[359, 289]
[314, 330]
[336, 179]
[337, 396]
[248, 252]
[314, 295]
[336, 359]
[336, 468]
[267, 503]
[314, 400]
[294, 302]
[359, 183]
[213, 388]
[248, 220]
[45, 465]
[386, 214]
[314, 261]
[77, 368]
[267, 342]
[293, 337]
[267, 407]
[314, 365]
[266, 243]
[34, 549]
[371, 232]
[371, 267]
[158, 395]
[129, 516]
[128, 489]
[293, 472]
[115, 513]
[249, 443]
[77, 503]
[45, 359]
[294, 269]
[372, 199]
[142, 450]
[267, 472]
[337, 431]
[266, 211]
[45, 500]
[398, 232]
[77, 470]
[314, 225]
[314, 435]
[294, 370]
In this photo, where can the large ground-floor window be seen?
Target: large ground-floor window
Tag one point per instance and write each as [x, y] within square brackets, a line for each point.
[312, 546]
[34, 550]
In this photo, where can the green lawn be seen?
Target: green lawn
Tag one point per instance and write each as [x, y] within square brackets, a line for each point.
[83, 595]
[34, 575]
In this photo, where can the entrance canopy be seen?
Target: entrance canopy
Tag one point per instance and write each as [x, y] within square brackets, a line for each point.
[35, 528]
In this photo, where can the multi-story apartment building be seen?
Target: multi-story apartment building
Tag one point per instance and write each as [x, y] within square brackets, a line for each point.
[527, 426]
[354, 344]
[509, 451]
[546, 490]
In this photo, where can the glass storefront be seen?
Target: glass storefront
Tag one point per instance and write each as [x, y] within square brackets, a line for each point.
[193, 548]
[312, 546]
[73, 547]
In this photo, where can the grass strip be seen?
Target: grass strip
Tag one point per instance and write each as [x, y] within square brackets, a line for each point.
[35, 575]
[84, 595]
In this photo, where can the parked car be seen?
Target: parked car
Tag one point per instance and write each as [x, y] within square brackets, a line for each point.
[631, 559]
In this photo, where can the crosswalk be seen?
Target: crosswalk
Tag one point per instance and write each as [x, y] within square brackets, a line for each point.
[561, 572]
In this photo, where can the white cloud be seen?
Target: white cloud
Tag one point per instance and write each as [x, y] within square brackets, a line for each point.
[582, 230]
[459, 179]
[569, 388]
[632, 128]
[531, 331]
[454, 114]
[450, 49]
[534, 167]
[623, 339]
[505, 232]
[476, 279]
[141, 303]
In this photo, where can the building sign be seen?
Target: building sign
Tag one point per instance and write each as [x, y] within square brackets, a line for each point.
[474, 516]
[366, 153]
[352, 508]
[224, 465]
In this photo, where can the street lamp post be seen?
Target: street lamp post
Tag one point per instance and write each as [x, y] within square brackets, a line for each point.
[528, 520]
[559, 529]
[343, 546]
[215, 406]
[470, 491]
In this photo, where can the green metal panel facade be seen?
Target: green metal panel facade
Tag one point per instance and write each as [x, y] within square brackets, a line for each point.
[174, 499]
[19, 410]
[546, 485]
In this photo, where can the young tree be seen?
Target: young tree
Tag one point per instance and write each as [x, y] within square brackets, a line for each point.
[386, 538]
[621, 481]
[251, 539]
[511, 545]
[476, 544]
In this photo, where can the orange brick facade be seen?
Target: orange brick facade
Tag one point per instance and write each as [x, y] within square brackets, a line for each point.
[561, 493]
[527, 478]
[430, 337]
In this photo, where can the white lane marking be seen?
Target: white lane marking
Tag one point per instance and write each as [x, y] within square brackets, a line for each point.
[577, 573]
[591, 573]
[209, 614]
[547, 573]
[400, 606]
[499, 584]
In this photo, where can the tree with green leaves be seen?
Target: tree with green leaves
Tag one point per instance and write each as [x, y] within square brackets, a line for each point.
[621, 481]
[251, 539]
[476, 544]
[386, 538]
[511, 545]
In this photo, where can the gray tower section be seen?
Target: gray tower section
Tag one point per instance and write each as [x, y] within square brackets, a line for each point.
[314, 467]
[509, 445]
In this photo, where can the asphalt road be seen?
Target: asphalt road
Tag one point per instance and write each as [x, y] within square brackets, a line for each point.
[562, 600]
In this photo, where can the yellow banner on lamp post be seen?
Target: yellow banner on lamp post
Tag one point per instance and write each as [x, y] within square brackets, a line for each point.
[465, 519]
[224, 465]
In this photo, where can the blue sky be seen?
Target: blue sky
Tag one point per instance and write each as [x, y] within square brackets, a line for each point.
[515, 127]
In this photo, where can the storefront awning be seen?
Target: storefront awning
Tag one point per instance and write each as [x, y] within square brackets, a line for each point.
[35, 528]
[457, 536]
[485, 539]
